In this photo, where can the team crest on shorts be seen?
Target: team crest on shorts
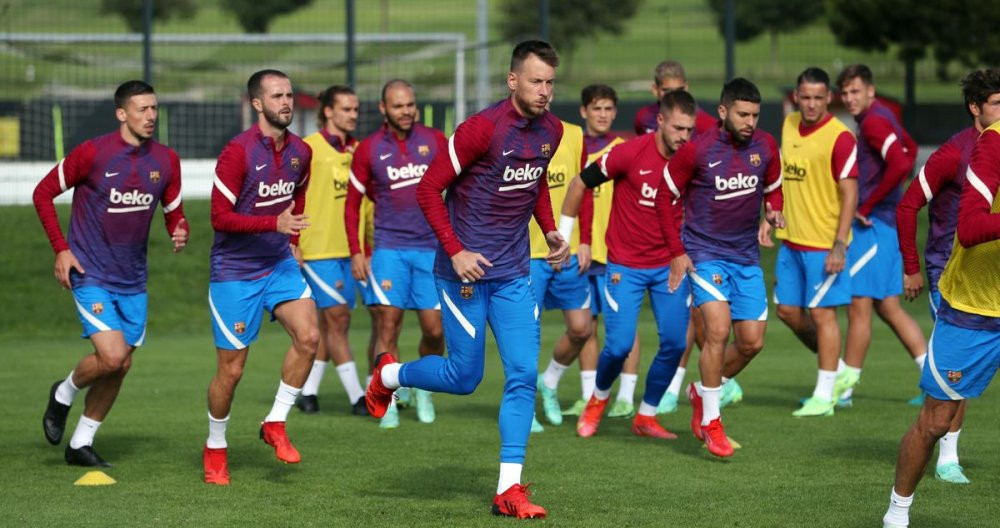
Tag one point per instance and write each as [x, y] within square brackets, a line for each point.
[954, 376]
[466, 291]
[755, 159]
[616, 278]
[295, 163]
[97, 308]
[339, 285]
[239, 327]
[716, 278]
[154, 176]
[423, 150]
[546, 149]
[386, 284]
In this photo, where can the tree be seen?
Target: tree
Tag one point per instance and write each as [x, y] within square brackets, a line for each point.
[569, 22]
[754, 17]
[131, 11]
[254, 16]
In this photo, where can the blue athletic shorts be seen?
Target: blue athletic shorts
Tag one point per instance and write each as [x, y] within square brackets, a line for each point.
[595, 275]
[101, 310]
[801, 280]
[740, 285]
[237, 306]
[874, 261]
[403, 278]
[560, 290]
[331, 282]
[960, 361]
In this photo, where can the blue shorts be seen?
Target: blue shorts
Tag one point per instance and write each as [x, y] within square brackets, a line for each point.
[560, 290]
[403, 278]
[960, 361]
[740, 285]
[874, 261]
[101, 310]
[933, 301]
[331, 282]
[801, 280]
[237, 306]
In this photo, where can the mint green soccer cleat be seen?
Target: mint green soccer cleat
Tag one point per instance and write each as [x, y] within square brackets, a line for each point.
[621, 409]
[404, 397]
[425, 407]
[731, 393]
[815, 407]
[391, 418]
[951, 472]
[536, 426]
[668, 403]
[846, 380]
[845, 403]
[918, 400]
[550, 403]
[576, 409]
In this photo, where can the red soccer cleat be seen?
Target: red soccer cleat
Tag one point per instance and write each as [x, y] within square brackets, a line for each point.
[590, 418]
[216, 466]
[273, 434]
[648, 426]
[696, 410]
[716, 440]
[378, 397]
[514, 503]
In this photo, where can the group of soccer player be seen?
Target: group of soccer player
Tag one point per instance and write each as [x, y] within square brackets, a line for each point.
[302, 226]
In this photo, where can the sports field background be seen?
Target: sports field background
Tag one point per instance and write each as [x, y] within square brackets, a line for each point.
[824, 472]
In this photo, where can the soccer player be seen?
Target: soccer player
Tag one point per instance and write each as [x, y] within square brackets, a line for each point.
[257, 203]
[388, 165]
[940, 182]
[820, 190]
[668, 76]
[963, 354]
[723, 180]
[638, 259]
[117, 179]
[326, 256]
[494, 173]
[886, 154]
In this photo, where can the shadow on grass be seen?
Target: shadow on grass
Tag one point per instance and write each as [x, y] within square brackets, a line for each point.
[435, 483]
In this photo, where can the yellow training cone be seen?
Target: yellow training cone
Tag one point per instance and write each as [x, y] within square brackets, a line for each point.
[94, 478]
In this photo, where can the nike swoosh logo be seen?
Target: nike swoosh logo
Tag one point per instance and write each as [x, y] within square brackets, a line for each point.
[710, 165]
[507, 152]
[644, 172]
[261, 166]
[110, 174]
[383, 157]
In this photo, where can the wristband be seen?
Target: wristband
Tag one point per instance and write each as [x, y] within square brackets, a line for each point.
[566, 224]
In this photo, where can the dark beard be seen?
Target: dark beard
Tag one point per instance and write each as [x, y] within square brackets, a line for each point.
[274, 119]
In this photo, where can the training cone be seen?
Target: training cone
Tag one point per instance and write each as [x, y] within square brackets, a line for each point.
[95, 478]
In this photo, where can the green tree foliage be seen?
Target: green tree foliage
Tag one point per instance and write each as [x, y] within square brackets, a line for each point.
[254, 16]
[131, 10]
[952, 30]
[756, 17]
[569, 21]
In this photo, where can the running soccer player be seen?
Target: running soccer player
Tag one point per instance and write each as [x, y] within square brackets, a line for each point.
[257, 204]
[117, 180]
[940, 182]
[723, 180]
[637, 257]
[886, 154]
[668, 76]
[963, 354]
[388, 165]
[326, 256]
[494, 173]
[820, 190]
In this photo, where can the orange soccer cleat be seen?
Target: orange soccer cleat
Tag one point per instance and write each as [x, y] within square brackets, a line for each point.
[273, 434]
[514, 503]
[643, 425]
[590, 418]
[378, 397]
[216, 466]
[716, 439]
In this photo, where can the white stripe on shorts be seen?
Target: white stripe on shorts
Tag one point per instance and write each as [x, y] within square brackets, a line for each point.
[97, 323]
[870, 254]
[332, 292]
[937, 376]
[814, 302]
[705, 285]
[222, 326]
[611, 301]
[471, 330]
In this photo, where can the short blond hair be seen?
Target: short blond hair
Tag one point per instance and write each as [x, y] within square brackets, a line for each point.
[669, 69]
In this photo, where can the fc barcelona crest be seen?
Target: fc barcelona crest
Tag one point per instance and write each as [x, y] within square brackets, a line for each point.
[239, 327]
[466, 291]
[716, 278]
[755, 159]
[154, 176]
[954, 376]
[97, 308]
[423, 150]
[386, 284]
[616, 278]
[295, 163]
[546, 149]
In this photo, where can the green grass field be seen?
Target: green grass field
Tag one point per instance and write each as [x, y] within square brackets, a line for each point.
[831, 472]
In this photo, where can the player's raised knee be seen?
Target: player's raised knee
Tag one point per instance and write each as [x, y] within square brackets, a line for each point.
[789, 314]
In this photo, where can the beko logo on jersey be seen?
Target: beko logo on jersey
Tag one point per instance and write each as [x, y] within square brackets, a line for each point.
[526, 176]
[408, 171]
[280, 188]
[738, 185]
[794, 172]
[134, 200]
[557, 176]
[649, 193]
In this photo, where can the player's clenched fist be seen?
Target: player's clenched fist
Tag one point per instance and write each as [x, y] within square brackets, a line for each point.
[467, 265]
[291, 224]
[180, 235]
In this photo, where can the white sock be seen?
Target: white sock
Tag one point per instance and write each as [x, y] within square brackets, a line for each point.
[348, 373]
[824, 384]
[677, 381]
[919, 360]
[217, 432]
[602, 394]
[66, 391]
[510, 474]
[899, 510]
[390, 375]
[553, 373]
[626, 388]
[84, 434]
[710, 403]
[840, 365]
[699, 389]
[646, 409]
[948, 449]
[311, 388]
[283, 402]
[588, 380]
